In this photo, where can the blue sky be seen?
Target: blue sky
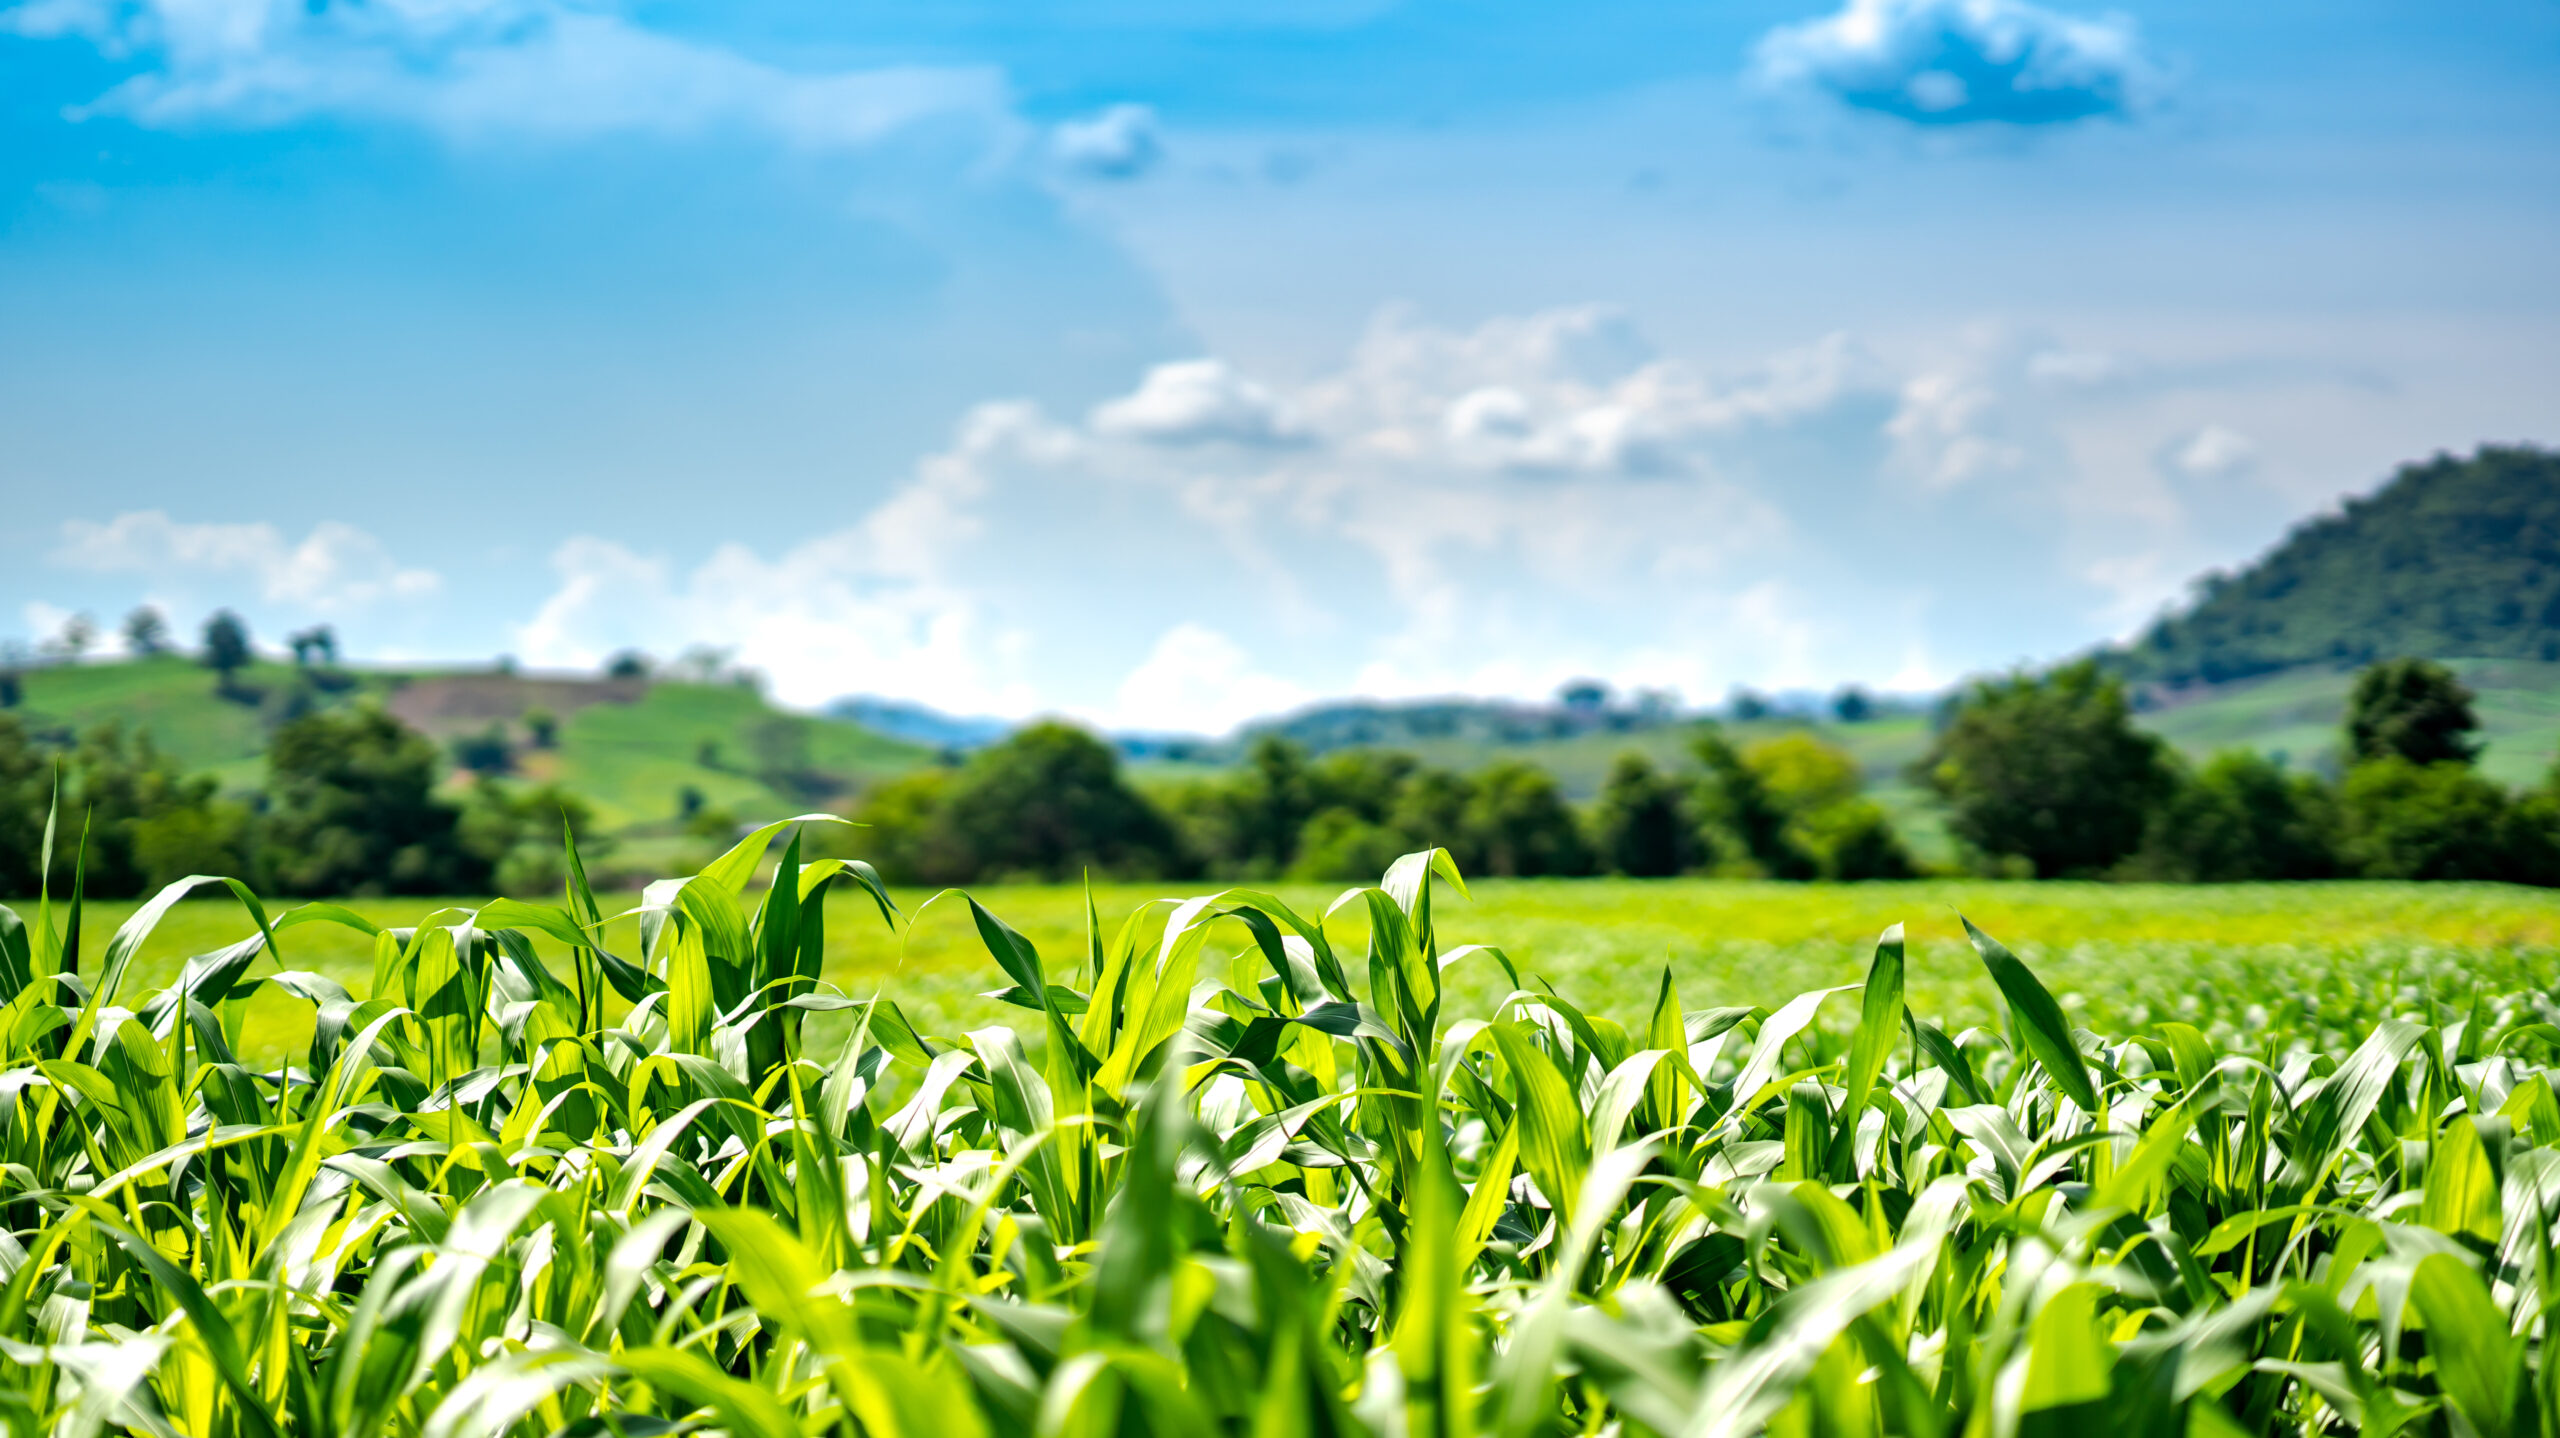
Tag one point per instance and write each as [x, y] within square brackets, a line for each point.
[1166, 364]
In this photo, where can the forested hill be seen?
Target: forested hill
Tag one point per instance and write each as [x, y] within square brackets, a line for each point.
[2452, 558]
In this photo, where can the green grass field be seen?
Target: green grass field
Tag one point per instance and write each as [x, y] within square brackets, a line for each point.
[2119, 954]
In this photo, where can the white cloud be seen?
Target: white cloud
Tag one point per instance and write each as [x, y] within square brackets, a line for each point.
[1198, 402]
[1490, 509]
[1949, 62]
[2214, 452]
[477, 68]
[333, 569]
[880, 607]
[1121, 142]
[1196, 680]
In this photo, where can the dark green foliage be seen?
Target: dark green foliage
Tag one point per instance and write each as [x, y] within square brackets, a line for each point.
[2242, 817]
[226, 647]
[146, 632]
[1814, 785]
[2047, 770]
[355, 811]
[148, 821]
[1852, 706]
[629, 664]
[1250, 824]
[1517, 824]
[1740, 813]
[2440, 821]
[2452, 558]
[1853, 840]
[1642, 827]
[542, 728]
[516, 832]
[1047, 802]
[485, 752]
[2411, 709]
[316, 645]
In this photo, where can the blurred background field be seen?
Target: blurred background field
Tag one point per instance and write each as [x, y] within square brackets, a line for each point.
[2117, 954]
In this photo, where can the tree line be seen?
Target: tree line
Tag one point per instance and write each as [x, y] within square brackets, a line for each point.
[2046, 776]
[2040, 776]
[350, 806]
[1051, 802]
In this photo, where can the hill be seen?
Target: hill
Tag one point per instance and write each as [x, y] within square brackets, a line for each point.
[633, 748]
[2451, 558]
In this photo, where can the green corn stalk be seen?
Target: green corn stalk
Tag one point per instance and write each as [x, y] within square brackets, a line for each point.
[1305, 1199]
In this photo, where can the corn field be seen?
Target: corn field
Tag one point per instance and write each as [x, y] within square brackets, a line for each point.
[633, 1195]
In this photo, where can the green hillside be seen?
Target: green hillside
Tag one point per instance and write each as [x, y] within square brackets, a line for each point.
[630, 747]
[2453, 557]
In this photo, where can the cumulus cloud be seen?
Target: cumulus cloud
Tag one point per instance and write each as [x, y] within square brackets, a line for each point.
[1197, 680]
[333, 569]
[1121, 142]
[1198, 402]
[1489, 508]
[2214, 452]
[883, 606]
[1958, 62]
[475, 68]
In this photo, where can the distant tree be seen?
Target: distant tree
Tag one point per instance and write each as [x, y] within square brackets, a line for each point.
[542, 728]
[517, 834]
[353, 811]
[688, 802]
[2241, 818]
[629, 664]
[146, 632]
[1430, 812]
[12, 689]
[485, 752]
[2048, 770]
[316, 645]
[78, 633]
[2435, 821]
[26, 787]
[1742, 817]
[1852, 706]
[1518, 824]
[1249, 824]
[147, 820]
[2412, 709]
[1584, 696]
[1746, 706]
[1342, 846]
[226, 648]
[1814, 785]
[1642, 824]
[706, 753]
[1047, 801]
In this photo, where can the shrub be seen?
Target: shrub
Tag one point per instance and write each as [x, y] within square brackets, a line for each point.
[1517, 824]
[2241, 817]
[1642, 826]
[2413, 710]
[1047, 801]
[2434, 821]
[1744, 824]
[2047, 769]
[354, 812]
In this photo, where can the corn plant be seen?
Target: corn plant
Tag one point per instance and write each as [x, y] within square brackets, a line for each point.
[1220, 1175]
